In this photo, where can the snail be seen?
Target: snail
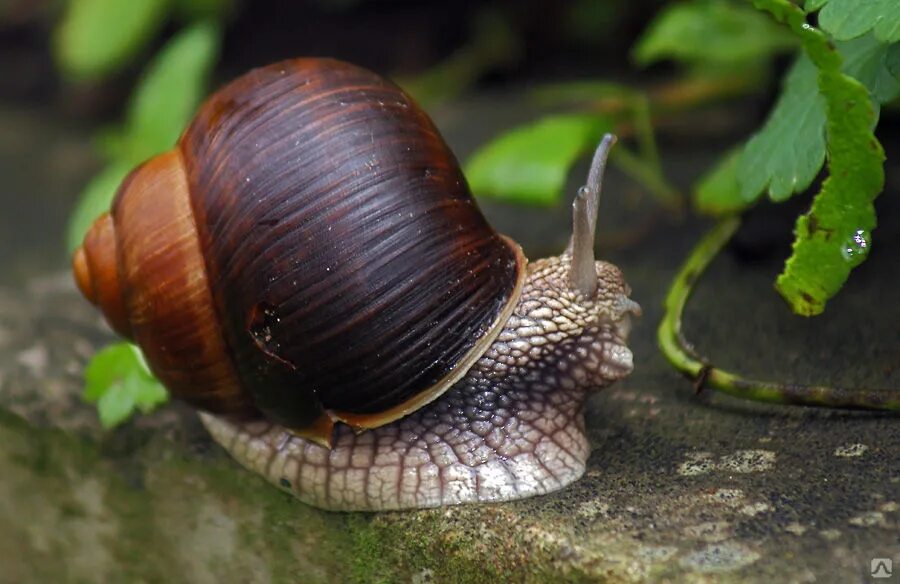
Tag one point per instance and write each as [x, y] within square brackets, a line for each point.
[308, 268]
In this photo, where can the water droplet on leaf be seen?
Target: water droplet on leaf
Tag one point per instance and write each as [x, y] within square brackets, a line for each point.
[856, 247]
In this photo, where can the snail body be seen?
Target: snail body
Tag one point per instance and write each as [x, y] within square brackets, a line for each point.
[309, 269]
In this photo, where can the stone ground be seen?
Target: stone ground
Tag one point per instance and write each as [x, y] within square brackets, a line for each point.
[680, 488]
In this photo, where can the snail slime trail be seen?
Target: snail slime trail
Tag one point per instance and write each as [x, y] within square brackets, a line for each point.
[362, 351]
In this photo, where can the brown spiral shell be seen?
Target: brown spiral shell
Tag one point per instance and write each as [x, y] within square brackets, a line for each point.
[324, 234]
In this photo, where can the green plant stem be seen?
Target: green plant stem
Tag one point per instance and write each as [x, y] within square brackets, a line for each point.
[682, 356]
[649, 175]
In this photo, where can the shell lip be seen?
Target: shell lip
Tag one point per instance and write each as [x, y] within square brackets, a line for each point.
[361, 422]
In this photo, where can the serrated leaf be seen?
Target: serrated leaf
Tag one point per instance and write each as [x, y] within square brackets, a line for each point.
[96, 37]
[170, 91]
[848, 19]
[117, 380]
[711, 31]
[530, 164]
[867, 60]
[787, 153]
[835, 235]
[93, 201]
[718, 191]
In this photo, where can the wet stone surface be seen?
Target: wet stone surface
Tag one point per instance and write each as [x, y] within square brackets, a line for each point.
[679, 487]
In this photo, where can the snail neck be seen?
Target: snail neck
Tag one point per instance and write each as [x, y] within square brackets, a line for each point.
[557, 340]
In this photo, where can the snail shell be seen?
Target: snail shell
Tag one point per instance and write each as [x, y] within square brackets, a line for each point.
[309, 249]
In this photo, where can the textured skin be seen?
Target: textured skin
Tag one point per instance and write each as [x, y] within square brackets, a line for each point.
[512, 428]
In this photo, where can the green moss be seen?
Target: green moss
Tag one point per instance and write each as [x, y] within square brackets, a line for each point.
[440, 546]
[369, 558]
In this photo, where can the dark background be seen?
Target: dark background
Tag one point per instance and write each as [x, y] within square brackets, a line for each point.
[50, 123]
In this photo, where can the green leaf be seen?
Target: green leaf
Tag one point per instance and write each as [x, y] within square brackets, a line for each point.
[786, 154]
[117, 405]
[97, 37]
[716, 32]
[118, 381]
[93, 201]
[835, 235]
[529, 164]
[103, 371]
[718, 191]
[149, 394]
[867, 60]
[169, 92]
[848, 19]
[892, 60]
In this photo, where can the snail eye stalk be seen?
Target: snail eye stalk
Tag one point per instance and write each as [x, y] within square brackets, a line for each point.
[582, 276]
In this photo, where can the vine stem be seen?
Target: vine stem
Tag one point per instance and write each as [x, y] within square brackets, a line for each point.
[685, 359]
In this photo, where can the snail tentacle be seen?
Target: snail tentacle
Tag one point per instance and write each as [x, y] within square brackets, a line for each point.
[584, 222]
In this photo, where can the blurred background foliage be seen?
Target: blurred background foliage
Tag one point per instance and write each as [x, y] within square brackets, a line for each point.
[816, 77]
